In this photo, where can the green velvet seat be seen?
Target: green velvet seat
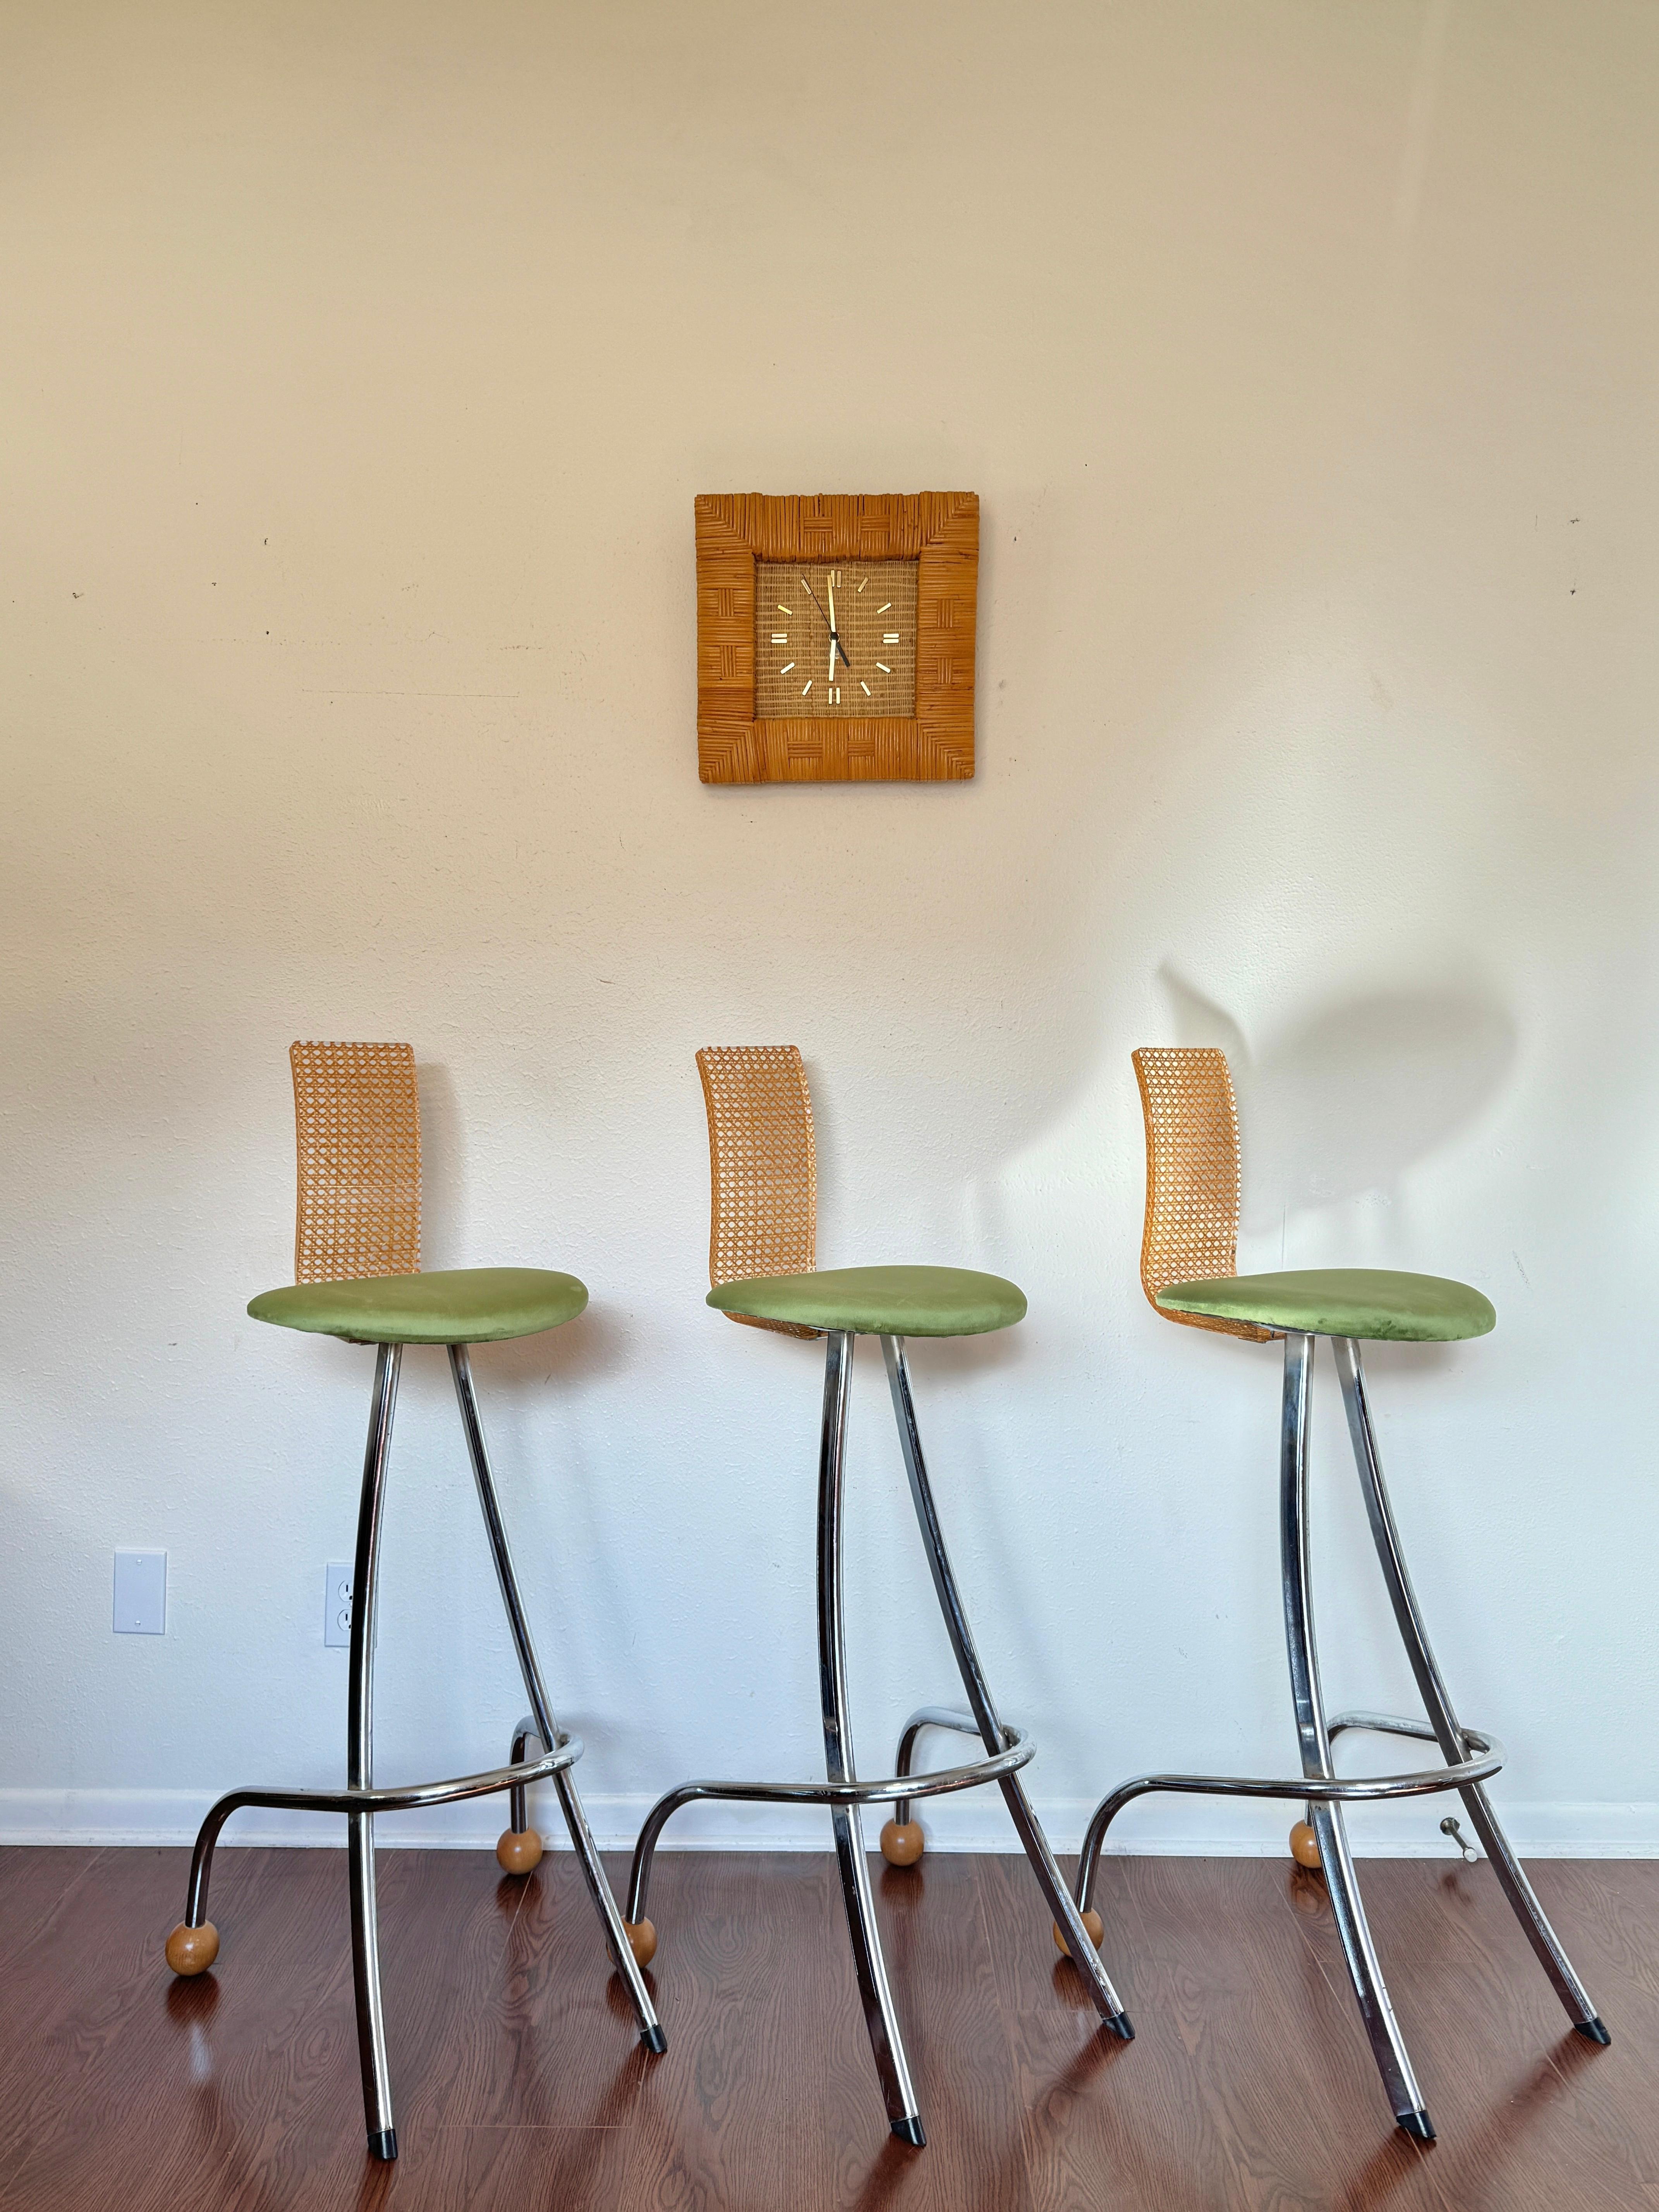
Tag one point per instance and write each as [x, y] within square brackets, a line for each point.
[878, 1301]
[1375, 1304]
[457, 1305]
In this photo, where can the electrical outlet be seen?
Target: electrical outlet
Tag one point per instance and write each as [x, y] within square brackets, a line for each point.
[337, 1602]
[141, 1593]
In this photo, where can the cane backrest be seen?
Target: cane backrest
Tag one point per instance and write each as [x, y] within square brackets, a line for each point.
[357, 1129]
[1191, 1232]
[763, 1201]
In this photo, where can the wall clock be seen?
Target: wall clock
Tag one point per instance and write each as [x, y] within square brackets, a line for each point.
[835, 637]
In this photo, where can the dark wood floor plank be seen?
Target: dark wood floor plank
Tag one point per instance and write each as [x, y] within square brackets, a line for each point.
[519, 2078]
[1208, 2105]
[1490, 2037]
[939, 1969]
[707, 2134]
[35, 1886]
[233, 2056]
[933, 1917]
[489, 2169]
[514, 2016]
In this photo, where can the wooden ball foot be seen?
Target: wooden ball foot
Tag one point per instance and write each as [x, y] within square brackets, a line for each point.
[641, 1941]
[192, 1950]
[903, 1843]
[519, 1850]
[1092, 1922]
[1304, 1847]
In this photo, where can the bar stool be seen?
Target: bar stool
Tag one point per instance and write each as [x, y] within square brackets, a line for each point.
[356, 1262]
[763, 1269]
[1187, 1264]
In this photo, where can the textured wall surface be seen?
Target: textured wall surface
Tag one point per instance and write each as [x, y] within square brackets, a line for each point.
[358, 369]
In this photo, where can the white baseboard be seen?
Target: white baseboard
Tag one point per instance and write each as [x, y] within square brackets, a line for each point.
[1185, 1828]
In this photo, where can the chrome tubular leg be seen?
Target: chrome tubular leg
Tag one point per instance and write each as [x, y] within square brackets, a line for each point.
[1068, 1917]
[581, 1837]
[1388, 2046]
[1438, 1706]
[905, 1762]
[527, 1732]
[360, 1764]
[879, 2015]
[201, 1867]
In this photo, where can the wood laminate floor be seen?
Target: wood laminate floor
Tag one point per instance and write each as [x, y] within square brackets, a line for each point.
[520, 2083]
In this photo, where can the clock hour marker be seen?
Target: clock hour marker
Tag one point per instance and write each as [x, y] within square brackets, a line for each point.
[783, 610]
[786, 668]
[890, 637]
[884, 669]
[883, 608]
[865, 688]
[861, 588]
[780, 637]
[806, 687]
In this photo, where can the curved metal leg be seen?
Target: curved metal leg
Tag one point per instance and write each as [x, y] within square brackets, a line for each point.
[1387, 2045]
[934, 1716]
[1067, 1917]
[880, 2016]
[518, 1803]
[360, 1764]
[604, 1904]
[1437, 1702]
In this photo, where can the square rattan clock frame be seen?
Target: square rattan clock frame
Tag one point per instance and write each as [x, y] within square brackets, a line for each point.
[939, 530]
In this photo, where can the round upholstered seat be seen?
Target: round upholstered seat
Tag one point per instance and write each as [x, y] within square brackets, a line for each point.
[879, 1301]
[455, 1305]
[1374, 1304]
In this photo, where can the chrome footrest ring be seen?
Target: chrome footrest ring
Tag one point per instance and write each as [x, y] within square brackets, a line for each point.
[1019, 1752]
[406, 1798]
[411, 1794]
[1486, 1757]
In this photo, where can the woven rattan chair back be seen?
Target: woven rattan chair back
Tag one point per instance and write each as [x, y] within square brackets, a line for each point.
[1191, 1233]
[357, 1127]
[763, 1172]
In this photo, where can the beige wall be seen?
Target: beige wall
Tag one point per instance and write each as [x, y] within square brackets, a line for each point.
[359, 366]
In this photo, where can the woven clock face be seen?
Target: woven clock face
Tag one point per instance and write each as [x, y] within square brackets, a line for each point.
[835, 637]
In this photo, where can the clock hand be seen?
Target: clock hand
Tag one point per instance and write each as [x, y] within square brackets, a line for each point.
[828, 620]
[835, 644]
[813, 596]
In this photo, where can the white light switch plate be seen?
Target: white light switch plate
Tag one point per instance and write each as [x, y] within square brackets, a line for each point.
[337, 1602]
[141, 1593]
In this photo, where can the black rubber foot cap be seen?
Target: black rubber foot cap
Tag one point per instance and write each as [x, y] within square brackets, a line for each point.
[384, 2145]
[910, 2131]
[654, 2039]
[1592, 2031]
[1418, 2126]
[1122, 2026]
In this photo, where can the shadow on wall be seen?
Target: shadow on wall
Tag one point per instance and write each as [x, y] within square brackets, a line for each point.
[1349, 1100]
